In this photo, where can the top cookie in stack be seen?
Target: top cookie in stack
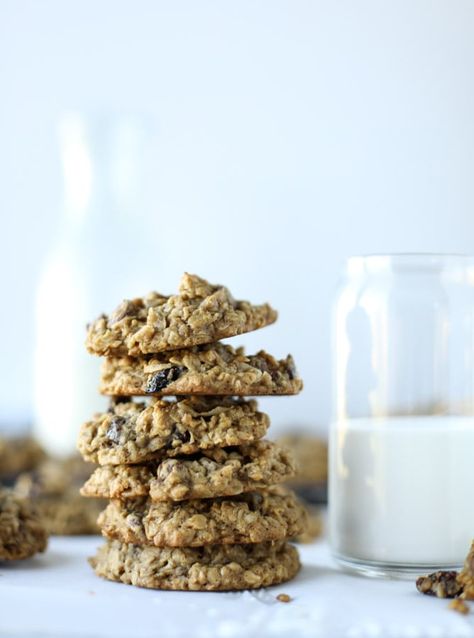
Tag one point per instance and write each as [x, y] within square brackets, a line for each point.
[192, 487]
[199, 313]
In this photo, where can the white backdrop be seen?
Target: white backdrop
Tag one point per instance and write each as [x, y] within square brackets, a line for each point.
[288, 135]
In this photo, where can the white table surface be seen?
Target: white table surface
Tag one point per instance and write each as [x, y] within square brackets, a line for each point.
[57, 595]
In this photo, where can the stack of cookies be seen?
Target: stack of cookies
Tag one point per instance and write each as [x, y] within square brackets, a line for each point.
[194, 496]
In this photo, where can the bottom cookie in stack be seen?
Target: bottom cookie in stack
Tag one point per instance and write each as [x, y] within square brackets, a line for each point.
[206, 568]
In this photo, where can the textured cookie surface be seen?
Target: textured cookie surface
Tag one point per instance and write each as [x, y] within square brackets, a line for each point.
[134, 432]
[213, 369]
[22, 533]
[216, 568]
[216, 472]
[249, 518]
[199, 313]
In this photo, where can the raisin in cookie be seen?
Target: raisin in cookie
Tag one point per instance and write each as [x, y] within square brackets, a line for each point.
[255, 517]
[215, 472]
[215, 568]
[212, 369]
[200, 313]
[134, 432]
[22, 533]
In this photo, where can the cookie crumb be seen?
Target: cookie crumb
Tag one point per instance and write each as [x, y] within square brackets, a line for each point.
[284, 598]
[442, 584]
[459, 605]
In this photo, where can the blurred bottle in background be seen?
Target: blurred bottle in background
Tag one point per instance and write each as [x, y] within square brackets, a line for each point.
[100, 256]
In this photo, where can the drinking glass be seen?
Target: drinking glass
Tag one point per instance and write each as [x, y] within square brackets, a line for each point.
[402, 434]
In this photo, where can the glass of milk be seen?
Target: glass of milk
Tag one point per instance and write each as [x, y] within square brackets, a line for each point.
[402, 436]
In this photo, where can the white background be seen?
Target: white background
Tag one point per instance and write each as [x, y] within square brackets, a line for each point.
[288, 135]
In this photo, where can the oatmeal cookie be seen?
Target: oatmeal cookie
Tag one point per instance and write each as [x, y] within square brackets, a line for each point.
[69, 514]
[22, 533]
[53, 476]
[18, 454]
[199, 313]
[54, 488]
[255, 517]
[215, 472]
[215, 568]
[136, 432]
[214, 369]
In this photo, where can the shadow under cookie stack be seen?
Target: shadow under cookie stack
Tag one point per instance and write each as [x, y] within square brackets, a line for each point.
[193, 487]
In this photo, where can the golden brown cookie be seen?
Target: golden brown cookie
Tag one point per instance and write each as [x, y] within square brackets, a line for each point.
[213, 568]
[136, 432]
[22, 532]
[255, 517]
[54, 488]
[211, 473]
[18, 454]
[199, 313]
[213, 369]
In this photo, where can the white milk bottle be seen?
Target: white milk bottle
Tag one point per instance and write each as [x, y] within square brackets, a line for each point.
[100, 254]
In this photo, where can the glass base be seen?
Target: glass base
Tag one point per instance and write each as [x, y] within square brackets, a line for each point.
[375, 569]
